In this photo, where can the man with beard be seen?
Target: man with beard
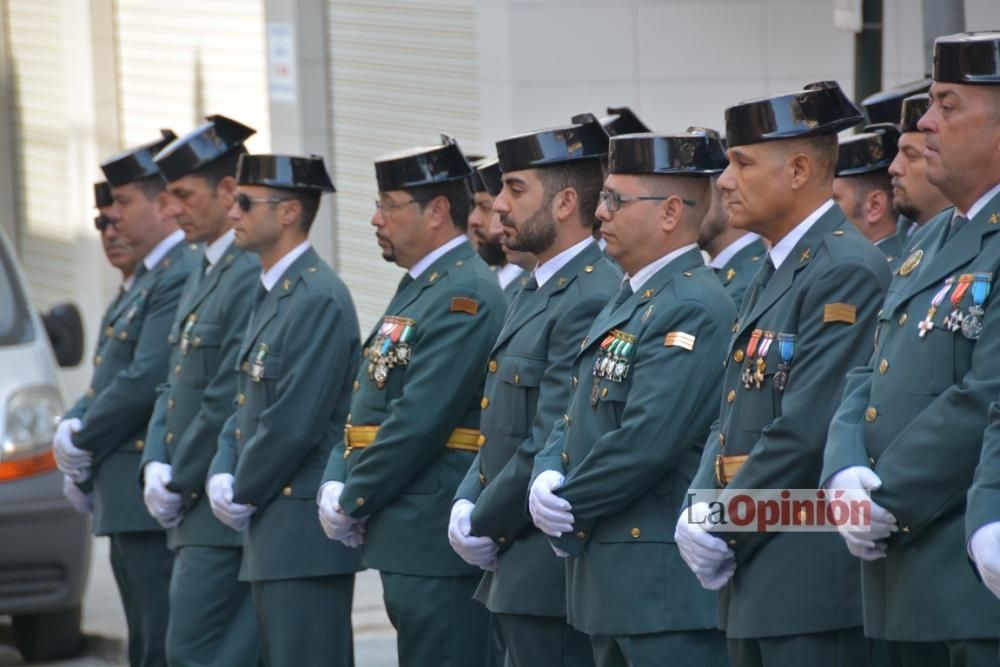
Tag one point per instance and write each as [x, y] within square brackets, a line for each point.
[862, 188]
[551, 179]
[487, 238]
[910, 427]
[413, 429]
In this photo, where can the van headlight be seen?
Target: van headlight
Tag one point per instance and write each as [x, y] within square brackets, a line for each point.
[31, 417]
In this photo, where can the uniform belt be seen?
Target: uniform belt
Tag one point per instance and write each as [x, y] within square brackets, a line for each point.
[359, 437]
[726, 467]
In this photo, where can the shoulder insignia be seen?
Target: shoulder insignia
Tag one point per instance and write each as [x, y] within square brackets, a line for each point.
[167, 262]
[434, 276]
[648, 293]
[730, 274]
[463, 304]
[839, 312]
[312, 269]
[994, 219]
[911, 262]
[804, 256]
[679, 339]
[755, 258]
[460, 262]
[287, 284]
[229, 259]
[839, 232]
[562, 281]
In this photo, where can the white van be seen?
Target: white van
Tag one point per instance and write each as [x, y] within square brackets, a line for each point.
[44, 543]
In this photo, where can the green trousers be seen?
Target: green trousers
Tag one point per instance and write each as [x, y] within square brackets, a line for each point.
[838, 648]
[212, 620]
[141, 563]
[543, 640]
[306, 622]
[437, 622]
[691, 648]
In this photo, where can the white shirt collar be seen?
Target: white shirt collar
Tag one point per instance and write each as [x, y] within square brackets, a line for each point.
[161, 249]
[507, 273]
[602, 243]
[270, 277]
[217, 248]
[648, 271]
[128, 282]
[781, 249]
[545, 271]
[434, 255]
[981, 202]
[730, 251]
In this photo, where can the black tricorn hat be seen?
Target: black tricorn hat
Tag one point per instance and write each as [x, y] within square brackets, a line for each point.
[968, 57]
[585, 139]
[287, 172]
[818, 109]
[914, 107]
[476, 180]
[884, 106]
[872, 150]
[695, 152]
[491, 176]
[135, 164]
[621, 120]
[426, 165]
[205, 143]
[102, 195]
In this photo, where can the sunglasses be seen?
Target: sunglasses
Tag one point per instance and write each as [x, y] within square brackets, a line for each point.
[101, 222]
[614, 200]
[246, 202]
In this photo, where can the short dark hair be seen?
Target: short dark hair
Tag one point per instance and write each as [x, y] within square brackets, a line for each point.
[220, 167]
[825, 149]
[309, 200]
[457, 193]
[151, 186]
[584, 176]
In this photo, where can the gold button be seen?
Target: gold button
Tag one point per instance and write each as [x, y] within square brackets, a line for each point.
[870, 414]
[287, 491]
[635, 532]
[883, 366]
[871, 461]
[238, 434]
[139, 444]
[485, 403]
[177, 369]
[517, 378]
[197, 341]
[459, 263]
[839, 232]
[574, 381]
[109, 331]
[906, 529]
[565, 458]
[731, 396]
[482, 479]
[482, 440]
[732, 542]
[97, 360]
[194, 495]
[356, 386]
[123, 335]
[738, 356]
[360, 501]
[582, 535]
[170, 438]
[493, 366]
[588, 269]
[241, 399]
[902, 319]
[604, 392]
[502, 540]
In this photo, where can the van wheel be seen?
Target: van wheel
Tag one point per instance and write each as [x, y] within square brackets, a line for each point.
[49, 636]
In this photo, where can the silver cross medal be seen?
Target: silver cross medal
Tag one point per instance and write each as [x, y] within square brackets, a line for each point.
[927, 324]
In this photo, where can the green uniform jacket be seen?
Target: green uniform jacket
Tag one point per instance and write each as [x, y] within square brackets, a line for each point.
[916, 414]
[296, 362]
[406, 479]
[526, 392]
[740, 270]
[892, 248]
[827, 293]
[629, 449]
[78, 408]
[131, 363]
[514, 286]
[197, 397]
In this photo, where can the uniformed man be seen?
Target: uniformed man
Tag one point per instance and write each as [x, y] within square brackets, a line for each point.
[121, 256]
[296, 361]
[862, 188]
[211, 613]
[617, 465]
[911, 424]
[551, 177]
[414, 424]
[916, 198]
[790, 597]
[105, 452]
[486, 235]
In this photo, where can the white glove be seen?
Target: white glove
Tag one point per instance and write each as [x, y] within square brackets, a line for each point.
[336, 524]
[163, 505]
[71, 460]
[552, 515]
[220, 497]
[984, 547]
[709, 557]
[478, 551]
[865, 543]
[80, 501]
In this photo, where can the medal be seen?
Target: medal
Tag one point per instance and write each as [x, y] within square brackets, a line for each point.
[972, 324]
[390, 348]
[786, 350]
[136, 305]
[906, 268]
[954, 319]
[186, 334]
[594, 393]
[928, 322]
[748, 366]
[760, 370]
[257, 368]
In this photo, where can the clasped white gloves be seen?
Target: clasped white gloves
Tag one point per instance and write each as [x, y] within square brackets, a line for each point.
[865, 543]
[708, 556]
[220, 497]
[552, 515]
[984, 547]
[478, 551]
[336, 523]
[162, 504]
[80, 501]
[70, 459]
